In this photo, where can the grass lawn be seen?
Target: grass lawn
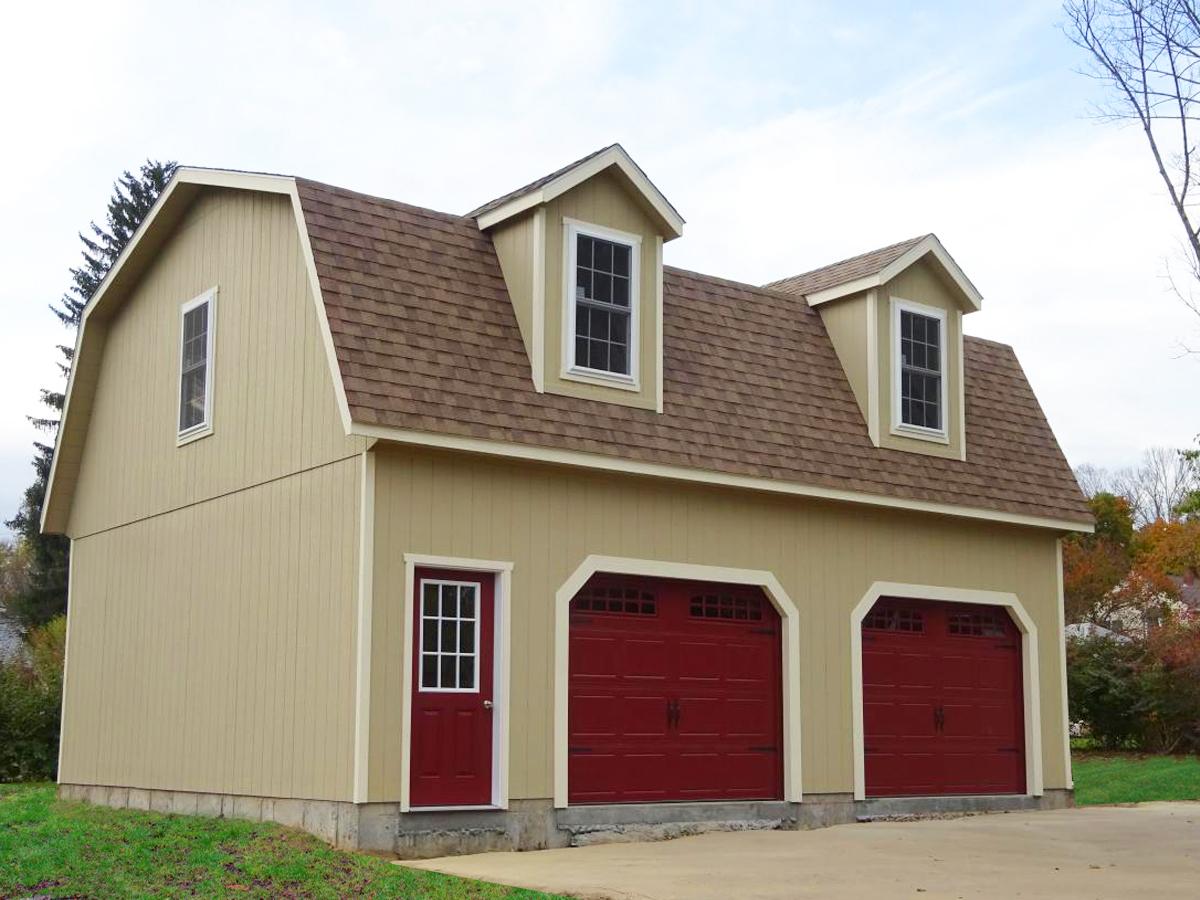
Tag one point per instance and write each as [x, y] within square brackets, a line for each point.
[54, 849]
[1133, 778]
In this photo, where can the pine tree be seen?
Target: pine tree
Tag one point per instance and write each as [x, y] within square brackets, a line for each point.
[45, 594]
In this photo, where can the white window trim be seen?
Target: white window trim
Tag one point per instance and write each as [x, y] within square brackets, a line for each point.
[569, 370]
[443, 582]
[899, 428]
[205, 428]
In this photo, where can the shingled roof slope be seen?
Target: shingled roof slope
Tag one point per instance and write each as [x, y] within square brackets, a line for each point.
[535, 184]
[846, 270]
[427, 339]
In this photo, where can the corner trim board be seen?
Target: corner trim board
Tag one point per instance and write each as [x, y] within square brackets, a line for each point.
[764, 579]
[1060, 612]
[538, 349]
[1031, 681]
[366, 563]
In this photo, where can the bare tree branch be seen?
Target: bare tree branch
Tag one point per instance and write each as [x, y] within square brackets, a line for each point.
[1148, 52]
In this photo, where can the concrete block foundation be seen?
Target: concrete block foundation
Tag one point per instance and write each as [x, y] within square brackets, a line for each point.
[536, 824]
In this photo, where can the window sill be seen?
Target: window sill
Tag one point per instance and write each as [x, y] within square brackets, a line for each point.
[921, 434]
[602, 379]
[195, 434]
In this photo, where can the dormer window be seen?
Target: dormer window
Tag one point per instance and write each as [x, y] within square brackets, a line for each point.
[920, 358]
[602, 294]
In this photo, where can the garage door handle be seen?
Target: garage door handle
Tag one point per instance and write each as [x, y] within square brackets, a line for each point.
[939, 719]
[672, 713]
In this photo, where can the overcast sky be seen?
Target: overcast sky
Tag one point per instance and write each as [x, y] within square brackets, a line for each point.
[788, 135]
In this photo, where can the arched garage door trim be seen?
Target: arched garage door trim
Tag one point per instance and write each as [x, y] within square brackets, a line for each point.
[1029, 667]
[660, 569]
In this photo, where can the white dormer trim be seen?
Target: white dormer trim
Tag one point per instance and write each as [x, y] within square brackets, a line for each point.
[613, 156]
[569, 370]
[927, 245]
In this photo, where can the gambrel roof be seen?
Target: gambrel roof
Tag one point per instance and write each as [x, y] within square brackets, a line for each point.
[425, 349]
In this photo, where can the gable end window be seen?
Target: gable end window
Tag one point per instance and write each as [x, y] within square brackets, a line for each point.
[197, 321]
[602, 295]
[919, 351]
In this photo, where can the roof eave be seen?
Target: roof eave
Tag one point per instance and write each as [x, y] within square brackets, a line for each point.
[669, 218]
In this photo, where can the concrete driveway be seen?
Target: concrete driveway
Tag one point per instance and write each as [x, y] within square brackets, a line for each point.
[1141, 852]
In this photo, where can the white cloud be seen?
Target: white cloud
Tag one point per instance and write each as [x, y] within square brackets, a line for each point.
[789, 136]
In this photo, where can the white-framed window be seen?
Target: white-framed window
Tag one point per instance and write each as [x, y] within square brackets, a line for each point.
[197, 327]
[919, 340]
[601, 294]
[449, 638]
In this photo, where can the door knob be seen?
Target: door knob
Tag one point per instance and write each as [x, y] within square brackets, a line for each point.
[487, 704]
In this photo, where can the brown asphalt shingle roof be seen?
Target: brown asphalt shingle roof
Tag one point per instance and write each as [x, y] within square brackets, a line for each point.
[846, 270]
[427, 339]
[535, 184]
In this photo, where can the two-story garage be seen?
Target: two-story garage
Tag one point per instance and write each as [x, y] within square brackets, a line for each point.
[432, 532]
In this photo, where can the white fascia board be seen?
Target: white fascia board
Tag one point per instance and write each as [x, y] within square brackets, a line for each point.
[599, 462]
[579, 174]
[930, 244]
[927, 245]
[816, 298]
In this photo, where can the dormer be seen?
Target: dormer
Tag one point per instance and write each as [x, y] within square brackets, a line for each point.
[894, 316]
[581, 253]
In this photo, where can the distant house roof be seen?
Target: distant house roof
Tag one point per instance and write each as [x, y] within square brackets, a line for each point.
[1092, 630]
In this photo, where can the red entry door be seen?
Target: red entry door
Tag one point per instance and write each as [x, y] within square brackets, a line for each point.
[674, 693]
[943, 701]
[451, 743]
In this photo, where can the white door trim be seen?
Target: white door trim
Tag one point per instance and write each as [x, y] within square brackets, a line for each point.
[501, 673]
[1030, 681]
[790, 619]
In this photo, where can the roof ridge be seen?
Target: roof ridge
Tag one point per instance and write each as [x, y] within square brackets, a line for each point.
[386, 201]
[908, 242]
[537, 182]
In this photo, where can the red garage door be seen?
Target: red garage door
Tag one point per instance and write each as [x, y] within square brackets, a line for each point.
[942, 700]
[674, 693]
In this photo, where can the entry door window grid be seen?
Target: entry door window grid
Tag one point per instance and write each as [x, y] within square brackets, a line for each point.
[449, 636]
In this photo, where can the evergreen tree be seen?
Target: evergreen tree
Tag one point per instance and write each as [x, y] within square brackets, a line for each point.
[45, 593]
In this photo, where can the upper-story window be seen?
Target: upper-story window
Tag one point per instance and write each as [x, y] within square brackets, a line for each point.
[602, 292]
[920, 353]
[195, 365]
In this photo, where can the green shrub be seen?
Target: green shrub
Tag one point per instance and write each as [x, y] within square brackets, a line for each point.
[1102, 683]
[30, 705]
[1141, 694]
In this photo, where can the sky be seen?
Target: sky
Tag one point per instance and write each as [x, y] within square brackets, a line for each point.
[789, 135]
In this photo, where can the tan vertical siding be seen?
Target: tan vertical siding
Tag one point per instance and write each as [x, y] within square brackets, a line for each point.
[274, 410]
[546, 520]
[846, 322]
[514, 248]
[601, 201]
[212, 647]
[214, 585]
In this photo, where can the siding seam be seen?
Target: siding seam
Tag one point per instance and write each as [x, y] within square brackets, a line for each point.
[224, 494]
